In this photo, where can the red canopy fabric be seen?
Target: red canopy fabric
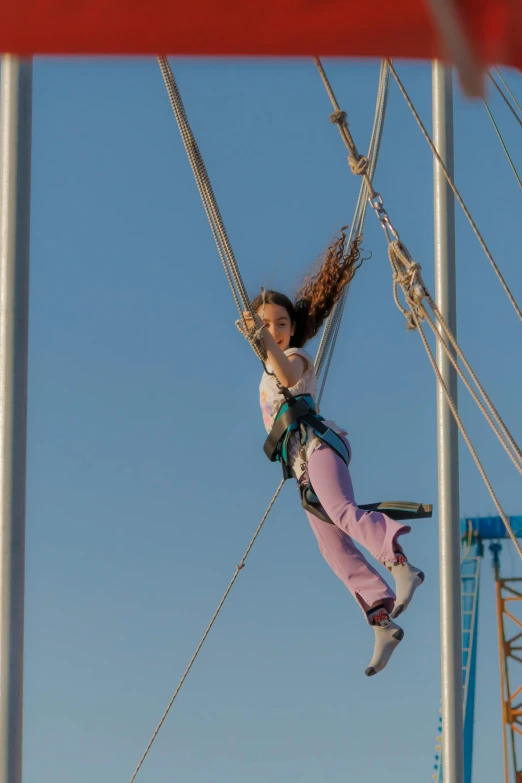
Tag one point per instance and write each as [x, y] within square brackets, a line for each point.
[347, 28]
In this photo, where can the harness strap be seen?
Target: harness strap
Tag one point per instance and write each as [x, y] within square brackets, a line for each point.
[294, 412]
[327, 435]
[401, 509]
[295, 415]
[398, 510]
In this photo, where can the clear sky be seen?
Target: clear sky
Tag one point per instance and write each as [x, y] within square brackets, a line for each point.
[146, 475]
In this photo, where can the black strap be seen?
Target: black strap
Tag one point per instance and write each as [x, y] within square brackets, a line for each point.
[398, 510]
[316, 510]
[401, 509]
[293, 413]
[316, 424]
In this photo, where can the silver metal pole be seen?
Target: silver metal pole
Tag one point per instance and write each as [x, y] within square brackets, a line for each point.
[451, 640]
[15, 188]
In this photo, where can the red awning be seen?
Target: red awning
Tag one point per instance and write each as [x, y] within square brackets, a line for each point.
[367, 28]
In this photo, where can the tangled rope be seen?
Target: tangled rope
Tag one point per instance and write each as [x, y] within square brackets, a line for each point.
[407, 277]
[330, 333]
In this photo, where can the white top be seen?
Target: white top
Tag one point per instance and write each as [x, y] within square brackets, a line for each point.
[271, 400]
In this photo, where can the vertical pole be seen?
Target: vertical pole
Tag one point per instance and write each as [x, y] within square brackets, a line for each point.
[15, 187]
[451, 637]
[504, 689]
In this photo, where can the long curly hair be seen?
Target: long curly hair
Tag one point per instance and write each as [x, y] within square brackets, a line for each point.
[320, 291]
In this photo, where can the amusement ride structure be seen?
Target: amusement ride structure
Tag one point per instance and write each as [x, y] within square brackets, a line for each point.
[470, 35]
[483, 537]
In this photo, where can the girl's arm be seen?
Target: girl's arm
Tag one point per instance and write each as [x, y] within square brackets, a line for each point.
[287, 369]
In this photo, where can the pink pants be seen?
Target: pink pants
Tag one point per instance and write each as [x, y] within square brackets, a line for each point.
[330, 479]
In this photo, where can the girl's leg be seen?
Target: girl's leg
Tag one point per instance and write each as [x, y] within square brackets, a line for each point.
[332, 484]
[350, 565]
[371, 591]
[379, 534]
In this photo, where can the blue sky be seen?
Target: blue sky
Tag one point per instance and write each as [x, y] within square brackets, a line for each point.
[146, 476]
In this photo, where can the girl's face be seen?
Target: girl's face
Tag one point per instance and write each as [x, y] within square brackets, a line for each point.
[278, 323]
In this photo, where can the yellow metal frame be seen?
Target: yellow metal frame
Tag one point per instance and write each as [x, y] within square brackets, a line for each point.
[509, 596]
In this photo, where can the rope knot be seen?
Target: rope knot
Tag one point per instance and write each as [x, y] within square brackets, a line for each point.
[338, 117]
[358, 166]
[407, 275]
[411, 324]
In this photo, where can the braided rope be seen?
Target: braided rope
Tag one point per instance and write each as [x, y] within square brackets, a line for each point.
[514, 456]
[210, 205]
[254, 336]
[503, 143]
[407, 276]
[331, 330]
[358, 163]
[449, 334]
[506, 85]
[207, 631]
[455, 191]
[512, 110]
[451, 404]
[242, 303]
[358, 167]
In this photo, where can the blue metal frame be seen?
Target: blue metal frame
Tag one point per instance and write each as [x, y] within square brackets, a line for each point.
[470, 586]
[474, 531]
[490, 528]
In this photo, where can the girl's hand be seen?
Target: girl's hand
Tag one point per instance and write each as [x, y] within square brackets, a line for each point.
[288, 369]
[252, 321]
[248, 320]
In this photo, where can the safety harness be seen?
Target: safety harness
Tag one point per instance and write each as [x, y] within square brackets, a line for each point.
[298, 413]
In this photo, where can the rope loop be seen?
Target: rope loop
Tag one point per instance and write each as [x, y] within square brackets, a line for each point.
[338, 117]
[407, 275]
[255, 335]
[358, 166]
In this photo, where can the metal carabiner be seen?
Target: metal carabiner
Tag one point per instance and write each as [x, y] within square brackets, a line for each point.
[377, 204]
[389, 228]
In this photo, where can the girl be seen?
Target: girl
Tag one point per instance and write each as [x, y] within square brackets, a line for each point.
[286, 327]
